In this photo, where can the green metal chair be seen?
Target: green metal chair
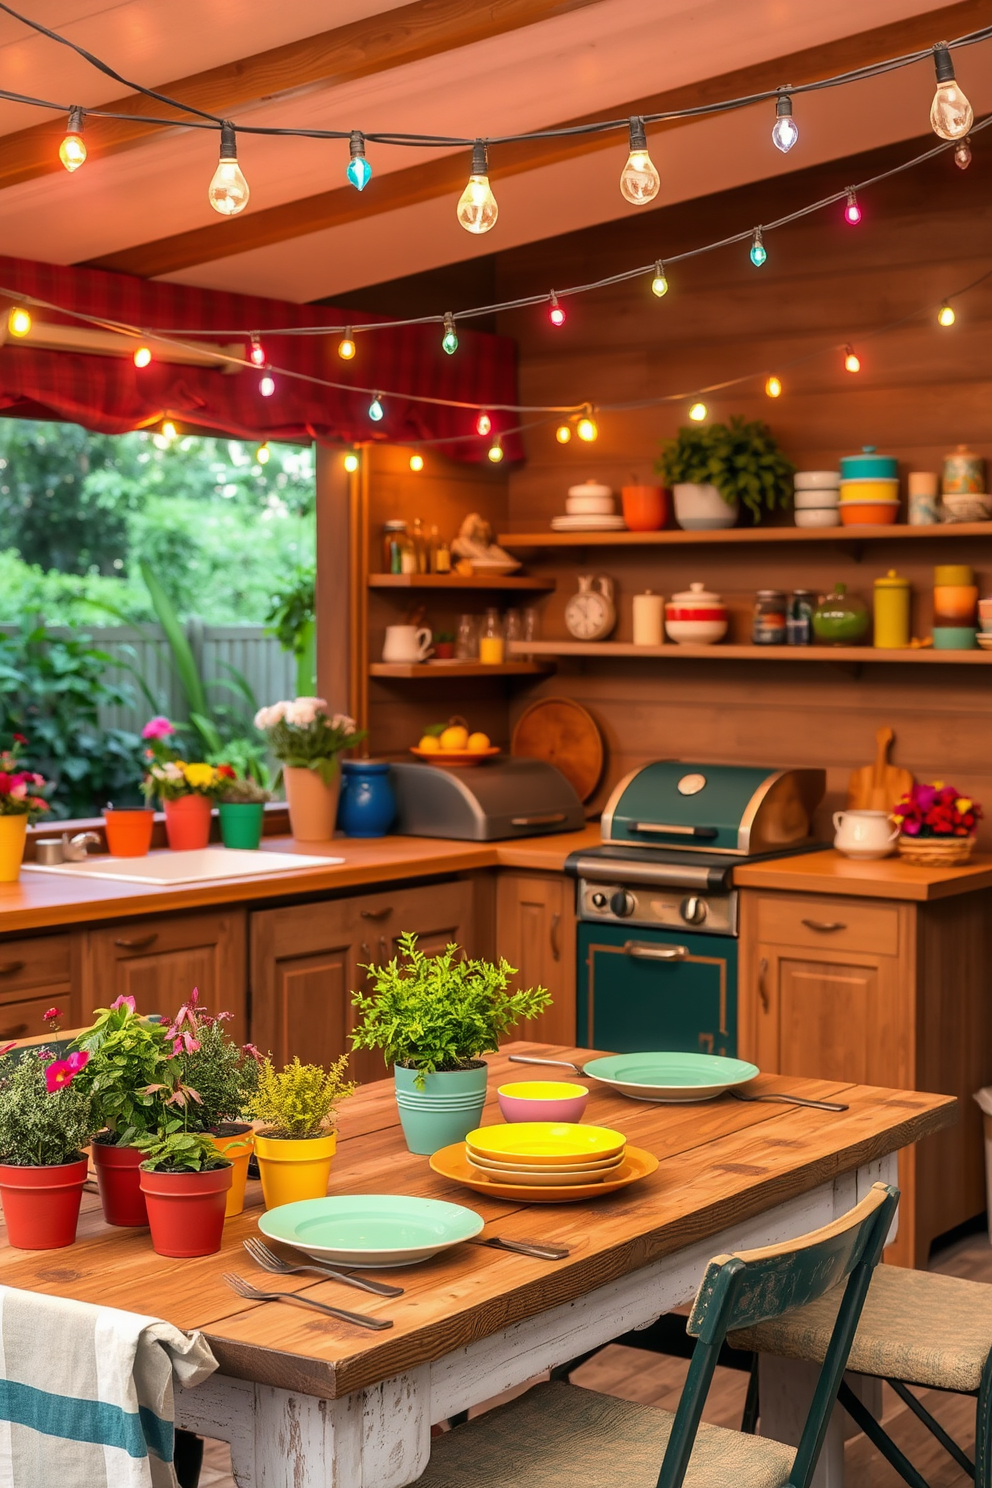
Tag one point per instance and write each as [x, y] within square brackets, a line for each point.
[562, 1436]
[917, 1328]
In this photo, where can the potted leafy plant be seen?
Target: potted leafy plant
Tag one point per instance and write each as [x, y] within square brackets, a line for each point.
[241, 807]
[713, 469]
[185, 1181]
[297, 1144]
[20, 803]
[307, 744]
[434, 1017]
[45, 1122]
[444, 644]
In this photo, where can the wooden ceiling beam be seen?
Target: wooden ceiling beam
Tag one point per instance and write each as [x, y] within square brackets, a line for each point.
[410, 33]
[447, 174]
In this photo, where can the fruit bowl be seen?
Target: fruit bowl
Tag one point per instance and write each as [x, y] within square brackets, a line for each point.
[455, 756]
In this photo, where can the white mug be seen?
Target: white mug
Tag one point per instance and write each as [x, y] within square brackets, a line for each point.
[407, 643]
[864, 834]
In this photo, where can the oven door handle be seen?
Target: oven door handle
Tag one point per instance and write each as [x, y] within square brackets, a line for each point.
[641, 950]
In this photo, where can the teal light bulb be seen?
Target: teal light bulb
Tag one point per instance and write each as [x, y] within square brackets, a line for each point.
[449, 340]
[758, 254]
[375, 409]
[359, 172]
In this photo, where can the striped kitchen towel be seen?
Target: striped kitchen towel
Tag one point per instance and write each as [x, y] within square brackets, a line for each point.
[86, 1393]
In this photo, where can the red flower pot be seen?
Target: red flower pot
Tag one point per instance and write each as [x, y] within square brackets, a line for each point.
[41, 1205]
[117, 1177]
[186, 1210]
[187, 822]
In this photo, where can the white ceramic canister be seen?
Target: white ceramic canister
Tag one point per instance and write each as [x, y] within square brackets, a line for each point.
[924, 499]
[649, 617]
[590, 499]
[864, 834]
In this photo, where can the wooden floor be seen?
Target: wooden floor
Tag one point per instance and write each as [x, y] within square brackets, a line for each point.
[655, 1379]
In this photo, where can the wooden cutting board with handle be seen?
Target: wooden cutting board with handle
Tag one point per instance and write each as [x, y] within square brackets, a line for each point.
[561, 731]
[879, 786]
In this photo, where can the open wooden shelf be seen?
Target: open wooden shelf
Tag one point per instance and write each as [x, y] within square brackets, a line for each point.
[671, 651]
[458, 581]
[732, 536]
[436, 670]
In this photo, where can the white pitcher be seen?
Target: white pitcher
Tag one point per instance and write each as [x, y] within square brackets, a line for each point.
[864, 834]
[405, 643]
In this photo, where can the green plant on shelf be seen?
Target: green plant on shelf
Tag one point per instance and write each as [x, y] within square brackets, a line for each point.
[742, 460]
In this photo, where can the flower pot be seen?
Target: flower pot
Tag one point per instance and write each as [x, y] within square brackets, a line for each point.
[241, 823]
[313, 806]
[367, 805]
[294, 1168]
[645, 508]
[186, 1210]
[117, 1178]
[12, 834]
[129, 833]
[935, 852]
[235, 1143]
[187, 822]
[41, 1205]
[445, 1111]
[702, 508]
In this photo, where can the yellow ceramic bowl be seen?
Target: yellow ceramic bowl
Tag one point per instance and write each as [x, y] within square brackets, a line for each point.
[871, 488]
[545, 1141]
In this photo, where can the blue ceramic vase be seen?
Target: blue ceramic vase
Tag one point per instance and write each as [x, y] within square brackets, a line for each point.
[367, 805]
[445, 1111]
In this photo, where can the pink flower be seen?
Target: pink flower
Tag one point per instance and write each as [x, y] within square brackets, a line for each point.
[127, 1002]
[58, 1074]
[51, 1015]
[184, 1042]
[253, 1053]
[158, 727]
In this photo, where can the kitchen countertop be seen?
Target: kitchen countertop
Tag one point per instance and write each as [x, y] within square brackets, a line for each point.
[829, 872]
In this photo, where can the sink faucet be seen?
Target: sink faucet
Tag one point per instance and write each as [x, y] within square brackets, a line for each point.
[74, 848]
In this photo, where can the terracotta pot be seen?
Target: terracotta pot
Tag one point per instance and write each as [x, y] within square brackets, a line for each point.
[645, 508]
[12, 833]
[186, 1210]
[293, 1168]
[117, 1178]
[235, 1143]
[187, 822]
[41, 1205]
[313, 806]
[129, 833]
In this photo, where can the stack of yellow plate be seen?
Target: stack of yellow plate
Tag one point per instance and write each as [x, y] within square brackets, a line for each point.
[545, 1154]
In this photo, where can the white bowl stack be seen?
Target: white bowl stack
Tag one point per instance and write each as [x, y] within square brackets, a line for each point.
[817, 498]
[589, 507]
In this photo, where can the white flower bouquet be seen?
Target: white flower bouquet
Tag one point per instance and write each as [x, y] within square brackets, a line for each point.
[303, 736]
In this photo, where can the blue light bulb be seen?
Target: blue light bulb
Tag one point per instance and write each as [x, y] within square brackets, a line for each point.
[375, 409]
[758, 254]
[359, 172]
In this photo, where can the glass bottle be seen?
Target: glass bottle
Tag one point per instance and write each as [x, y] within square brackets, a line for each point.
[513, 630]
[408, 555]
[420, 545]
[442, 555]
[393, 533]
[467, 645]
[491, 643]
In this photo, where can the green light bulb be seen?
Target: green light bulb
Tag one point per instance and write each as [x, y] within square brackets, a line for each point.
[449, 340]
[758, 254]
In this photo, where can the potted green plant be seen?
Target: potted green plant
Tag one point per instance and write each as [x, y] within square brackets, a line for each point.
[444, 644]
[307, 744]
[185, 1181]
[45, 1122]
[296, 1146]
[714, 469]
[433, 1017]
[241, 807]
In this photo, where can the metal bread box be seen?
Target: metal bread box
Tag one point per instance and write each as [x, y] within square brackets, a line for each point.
[502, 798]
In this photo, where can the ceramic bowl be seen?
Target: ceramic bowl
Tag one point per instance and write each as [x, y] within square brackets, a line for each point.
[816, 480]
[873, 490]
[547, 1142]
[954, 637]
[984, 640]
[818, 498]
[542, 1100]
[590, 506]
[985, 608]
[696, 632]
[512, 1165]
[818, 516]
[868, 513]
[971, 506]
[696, 616]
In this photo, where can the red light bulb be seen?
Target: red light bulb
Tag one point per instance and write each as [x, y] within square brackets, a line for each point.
[257, 352]
[852, 212]
[556, 314]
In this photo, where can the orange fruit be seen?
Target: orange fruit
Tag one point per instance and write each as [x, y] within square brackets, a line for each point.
[429, 744]
[454, 737]
[477, 743]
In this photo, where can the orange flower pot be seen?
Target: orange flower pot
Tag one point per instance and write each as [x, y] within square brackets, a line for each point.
[187, 822]
[645, 508]
[236, 1146]
[186, 1210]
[129, 833]
[41, 1205]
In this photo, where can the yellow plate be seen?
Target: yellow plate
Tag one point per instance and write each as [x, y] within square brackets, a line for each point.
[549, 1142]
[597, 1165]
[452, 1162]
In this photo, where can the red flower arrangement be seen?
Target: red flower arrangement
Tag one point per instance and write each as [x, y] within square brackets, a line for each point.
[937, 810]
[19, 788]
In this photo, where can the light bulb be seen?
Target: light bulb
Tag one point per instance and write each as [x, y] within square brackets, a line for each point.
[639, 180]
[351, 463]
[375, 408]
[266, 386]
[477, 210]
[19, 322]
[142, 356]
[587, 429]
[962, 155]
[945, 315]
[556, 313]
[359, 171]
[256, 353]
[228, 191]
[659, 284]
[758, 254]
[483, 424]
[416, 462]
[72, 150]
[852, 212]
[773, 387]
[697, 412]
[852, 362]
[951, 115]
[262, 454]
[785, 130]
[496, 451]
[346, 346]
[449, 340]
[169, 430]
[563, 433]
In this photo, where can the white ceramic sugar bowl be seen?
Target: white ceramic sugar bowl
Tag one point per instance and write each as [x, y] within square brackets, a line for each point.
[864, 834]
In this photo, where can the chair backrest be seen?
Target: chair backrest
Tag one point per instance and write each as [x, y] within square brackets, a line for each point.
[738, 1291]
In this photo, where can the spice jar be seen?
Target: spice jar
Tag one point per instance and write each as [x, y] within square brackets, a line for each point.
[891, 612]
[393, 540]
[799, 621]
[769, 624]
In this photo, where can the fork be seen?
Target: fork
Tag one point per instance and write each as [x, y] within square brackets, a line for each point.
[252, 1294]
[269, 1261]
[790, 1100]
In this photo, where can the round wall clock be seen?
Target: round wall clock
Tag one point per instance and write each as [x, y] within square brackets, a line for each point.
[590, 615]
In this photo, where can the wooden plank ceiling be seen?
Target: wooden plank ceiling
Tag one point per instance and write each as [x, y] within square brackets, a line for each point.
[490, 67]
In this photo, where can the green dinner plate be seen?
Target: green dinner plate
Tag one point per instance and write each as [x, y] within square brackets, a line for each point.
[670, 1077]
[371, 1230]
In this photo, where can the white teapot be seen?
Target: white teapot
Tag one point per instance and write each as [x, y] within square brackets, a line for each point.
[864, 834]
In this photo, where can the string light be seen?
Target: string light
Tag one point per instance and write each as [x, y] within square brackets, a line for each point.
[773, 387]
[477, 210]
[962, 155]
[483, 424]
[698, 412]
[951, 115]
[556, 313]
[375, 408]
[496, 450]
[346, 346]
[267, 386]
[945, 315]
[228, 190]
[785, 130]
[659, 284]
[262, 454]
[169, 430]
[257, 353]
[587, 428]
[416, 462]
[852, 212]
[19, 322]
[758, 253]
[449, 340]
[351, 463]
[639, 179]
[852, 362]
[72, 150]
[563, 433]
[142, 356]
[359, 171]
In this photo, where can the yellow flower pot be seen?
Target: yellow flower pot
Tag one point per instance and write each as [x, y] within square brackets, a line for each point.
[12, 832]
[294, 1168]
[236, 1147]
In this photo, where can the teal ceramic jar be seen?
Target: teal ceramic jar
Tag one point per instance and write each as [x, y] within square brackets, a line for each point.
[868, 466]
[241, 823]
[445, 1111]
[841, 619]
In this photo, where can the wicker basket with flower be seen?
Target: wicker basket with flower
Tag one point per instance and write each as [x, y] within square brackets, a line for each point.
[937, 825]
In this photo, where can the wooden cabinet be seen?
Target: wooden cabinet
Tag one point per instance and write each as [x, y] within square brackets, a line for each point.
[37, 973]
[535, 932]
[159, 959]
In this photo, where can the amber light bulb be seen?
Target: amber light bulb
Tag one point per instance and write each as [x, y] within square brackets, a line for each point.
[639, 179]
[228, 190]
[852, 362]
[563, 433]
[142, 357]
[72, 150]
[477, 210]
[951, 115]
[19, 322]
[773, 387]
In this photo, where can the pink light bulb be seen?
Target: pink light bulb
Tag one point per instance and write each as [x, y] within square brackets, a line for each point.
[852, 212]
[556, 314]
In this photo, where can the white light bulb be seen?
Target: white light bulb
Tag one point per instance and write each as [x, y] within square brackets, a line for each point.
[228, 191]
[785, 131]
[951, 115]
[477, 209]
[639, 179]
[659, 284]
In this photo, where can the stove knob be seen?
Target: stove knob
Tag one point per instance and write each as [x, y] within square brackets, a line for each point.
[599, 900]
[693, 910]
[622, 903]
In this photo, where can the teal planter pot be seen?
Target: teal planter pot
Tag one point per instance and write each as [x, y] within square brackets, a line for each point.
[241, 823]
[445, 1111]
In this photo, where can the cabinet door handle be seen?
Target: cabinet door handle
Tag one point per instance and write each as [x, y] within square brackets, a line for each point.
[14, 1031]
[762, 989]
[383, 949]
[10, 967]
[141, 944]
[376, 914]
[824, 926]
[555, 940]
[640, 951]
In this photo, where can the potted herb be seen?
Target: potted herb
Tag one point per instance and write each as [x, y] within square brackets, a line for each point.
[714, 469]
[185, 1181]
[45, 1122]
[307, 743]
[434, 1017]
[241, 807]
[296, 1146]
[937, 825]
[444, 644]
[20, 803]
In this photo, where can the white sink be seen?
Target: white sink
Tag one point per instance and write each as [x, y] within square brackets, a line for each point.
[163, 868]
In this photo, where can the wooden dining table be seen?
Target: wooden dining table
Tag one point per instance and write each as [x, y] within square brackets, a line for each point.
[305, 1400]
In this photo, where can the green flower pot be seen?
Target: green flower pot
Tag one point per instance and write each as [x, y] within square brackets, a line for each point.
[445, 1111]
[241, 823]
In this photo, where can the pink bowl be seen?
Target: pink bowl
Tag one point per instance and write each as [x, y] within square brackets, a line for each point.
[542, 1100]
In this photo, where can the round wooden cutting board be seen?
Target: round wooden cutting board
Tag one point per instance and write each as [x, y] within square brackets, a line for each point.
[560, 731]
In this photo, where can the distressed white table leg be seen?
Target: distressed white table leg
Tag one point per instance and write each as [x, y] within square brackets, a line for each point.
[785, 1390]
